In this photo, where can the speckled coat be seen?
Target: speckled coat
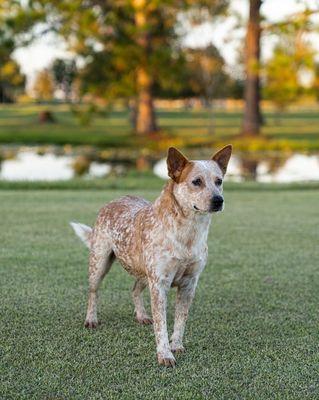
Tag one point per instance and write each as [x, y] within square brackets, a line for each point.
[162, 244]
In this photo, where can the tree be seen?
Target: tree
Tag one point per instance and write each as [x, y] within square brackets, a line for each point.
[206, 72]
[11, 80]
[43, 87]
[128, 47]
[293, 56]
[64, 73]
[252, 114]
[15, 19]
[145, 114]
[235, 88]
[206, 76]
[6, 48]
[282, 78]
[316, 82]
[293, 28]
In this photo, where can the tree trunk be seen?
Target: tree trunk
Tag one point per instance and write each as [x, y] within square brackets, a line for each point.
[145, 118]
[252, 115]
[4, 97]
[145, 113]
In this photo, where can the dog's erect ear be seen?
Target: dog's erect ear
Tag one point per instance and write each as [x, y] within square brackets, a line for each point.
[222, 157]
[176, 162]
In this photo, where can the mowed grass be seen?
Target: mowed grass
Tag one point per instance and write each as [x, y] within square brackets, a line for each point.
[253, 331]
[19, 124]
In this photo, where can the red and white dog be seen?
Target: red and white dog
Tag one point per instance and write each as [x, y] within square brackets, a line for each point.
[162, 244]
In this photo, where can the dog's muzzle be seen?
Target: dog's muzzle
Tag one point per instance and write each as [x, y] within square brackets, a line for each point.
[216, 203]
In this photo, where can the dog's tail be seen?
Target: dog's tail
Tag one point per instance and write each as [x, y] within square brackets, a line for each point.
[84, 232]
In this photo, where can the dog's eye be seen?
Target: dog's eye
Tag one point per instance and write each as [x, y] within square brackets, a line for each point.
[197, 182]
[218, 181]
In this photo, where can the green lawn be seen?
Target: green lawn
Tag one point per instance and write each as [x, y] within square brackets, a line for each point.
[19, 124]
[253, 332]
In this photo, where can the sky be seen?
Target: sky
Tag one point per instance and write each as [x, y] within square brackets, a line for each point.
[222, 34]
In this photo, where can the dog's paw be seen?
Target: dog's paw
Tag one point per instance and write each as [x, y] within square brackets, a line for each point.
[177, 348]
[144, 320]
[167, 359]
[91, 324]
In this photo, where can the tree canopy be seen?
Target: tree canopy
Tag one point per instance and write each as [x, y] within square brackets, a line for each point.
[126, 47]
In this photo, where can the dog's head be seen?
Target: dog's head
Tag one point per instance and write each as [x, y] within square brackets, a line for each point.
[199, 184]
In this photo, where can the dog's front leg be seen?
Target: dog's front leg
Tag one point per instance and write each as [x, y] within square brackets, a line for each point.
[158, 291]
[184, 298]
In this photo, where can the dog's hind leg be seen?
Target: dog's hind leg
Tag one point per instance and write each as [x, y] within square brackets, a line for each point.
[140, 312]
[101, 260]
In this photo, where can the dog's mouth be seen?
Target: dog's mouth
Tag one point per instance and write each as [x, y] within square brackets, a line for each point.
[199, 210]
[216, 209]
[211, 210]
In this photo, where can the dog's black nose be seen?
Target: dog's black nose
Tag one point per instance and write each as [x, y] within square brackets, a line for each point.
[217, 203]
[218, 200]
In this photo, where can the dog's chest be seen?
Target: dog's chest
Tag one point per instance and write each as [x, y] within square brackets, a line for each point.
[188, 250]
[186, 245]
[185, 261]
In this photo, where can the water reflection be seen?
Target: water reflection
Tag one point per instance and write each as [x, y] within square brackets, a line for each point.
[280, 168]
[32, 164]
[297, 168]
[50, 164]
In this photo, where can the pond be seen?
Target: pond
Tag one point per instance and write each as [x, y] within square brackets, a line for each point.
[51, 164]
[277, 169]
[34, 164]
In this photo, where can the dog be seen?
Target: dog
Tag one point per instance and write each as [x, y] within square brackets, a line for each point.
[162, 244]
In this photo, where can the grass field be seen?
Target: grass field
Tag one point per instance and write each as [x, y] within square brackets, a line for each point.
[19, 124]
[253, 331]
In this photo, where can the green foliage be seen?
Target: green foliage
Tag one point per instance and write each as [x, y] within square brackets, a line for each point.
[81, 165]
[108, 39]
[206, 72]
[64, 72]
[86, 112]
[282, 74]
[282, 85]
[315, 87]
[43, 88]
[16, 19]
[11, 80]
[293, 56]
